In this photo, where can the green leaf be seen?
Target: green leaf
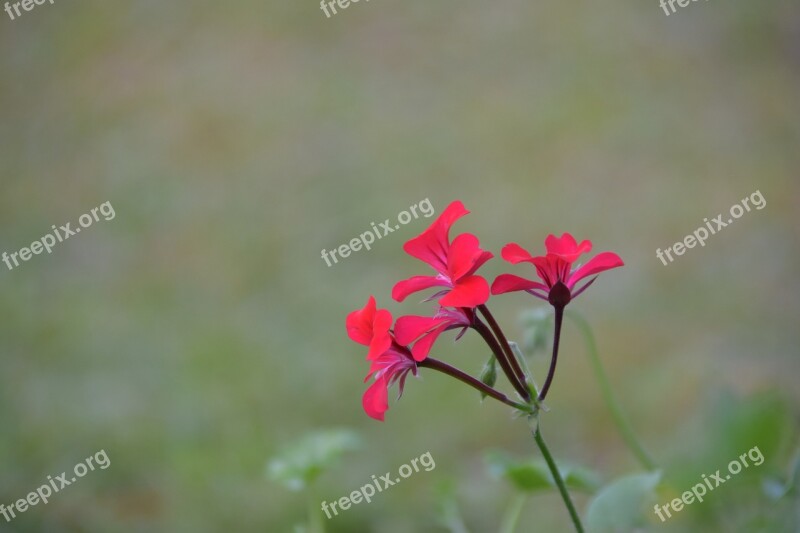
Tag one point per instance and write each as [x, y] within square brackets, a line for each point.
[622, 505]
[739, 424]
[533, 475]
[776, 489]
[301, 464]
[580, 478]
[449, 514]
[524, 476]
[732, 425]
[794, 475]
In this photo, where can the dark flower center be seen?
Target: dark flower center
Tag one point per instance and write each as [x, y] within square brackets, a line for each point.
[559, 295]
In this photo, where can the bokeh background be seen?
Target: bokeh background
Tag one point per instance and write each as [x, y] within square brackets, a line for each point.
[199, 333]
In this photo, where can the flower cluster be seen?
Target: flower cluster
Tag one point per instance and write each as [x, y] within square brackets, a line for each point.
[397, 348]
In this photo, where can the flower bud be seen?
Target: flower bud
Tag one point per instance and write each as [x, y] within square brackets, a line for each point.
[489, 374]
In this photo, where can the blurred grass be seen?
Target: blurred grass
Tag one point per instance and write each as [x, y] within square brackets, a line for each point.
[199, 331]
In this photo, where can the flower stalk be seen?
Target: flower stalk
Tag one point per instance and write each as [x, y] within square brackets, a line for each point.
[502, 359]
[519, 375]
[562, 487]
[559, 318]
[475, 383]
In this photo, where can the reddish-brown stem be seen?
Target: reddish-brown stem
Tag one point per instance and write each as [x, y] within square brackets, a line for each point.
[443, 367]
[501, 357]
[501, 338]
[556, 337]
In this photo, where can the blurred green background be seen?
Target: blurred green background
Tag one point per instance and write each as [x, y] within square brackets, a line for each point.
[199, 333]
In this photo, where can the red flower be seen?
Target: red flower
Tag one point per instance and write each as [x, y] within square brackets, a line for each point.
[390, 367]
[456, 263]
[370, 326]
[424, 330]
[390, 361]
[554, 269]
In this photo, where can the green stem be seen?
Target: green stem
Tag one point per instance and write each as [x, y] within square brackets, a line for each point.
[562, 487]
[451, 517]
[315, 522]
[608, 396]
[512, 515]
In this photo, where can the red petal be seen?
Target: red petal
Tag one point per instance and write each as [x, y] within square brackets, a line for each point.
[423, 346]
[470, 291]
[599, 263]
[514, 253]
[549, 268]
[376, 399]
[432, 245]
[410, 328]
[465, 256]
[359, 323]
[403, 288]
[380, 333]
[510, 283]
[567, 247]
